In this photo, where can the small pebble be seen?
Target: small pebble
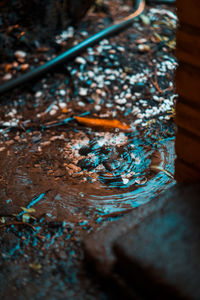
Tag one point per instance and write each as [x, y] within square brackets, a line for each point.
[62, 105]
[20, 54]
[38, 94]
[7, 76]
[125, 180]
[143, 48]
[83, 91]
[120, 101]
[53, 112]
[62, 92]
[97, 107]
[80, 103]
[80, 60]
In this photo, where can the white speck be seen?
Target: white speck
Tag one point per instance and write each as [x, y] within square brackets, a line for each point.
[20, 54]
[62, 92]
[62, 105]
[80, 60]
[138, 121]
[109, 105]
[84, 33]
[108, 71]
[122, 49]
[125, 180]
[80, 103]
[97, 107]
[135, 110]
[143, 48]
[7, 123]
[90, 74]
[141, 41]
[7, 76]
[67, 33]
[38, 94]
[120, 101]
[83, 91]
[53, 112]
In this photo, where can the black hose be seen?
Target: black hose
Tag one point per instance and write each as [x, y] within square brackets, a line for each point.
[74, 51]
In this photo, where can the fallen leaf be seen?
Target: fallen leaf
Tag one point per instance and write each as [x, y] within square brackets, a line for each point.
[145, 19]
[35, 267]
[103, 123]
[28, 210]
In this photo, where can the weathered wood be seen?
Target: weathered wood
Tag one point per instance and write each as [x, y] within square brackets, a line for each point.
[189, 113]
[185, 172]
[187, 82]
[189, 12]
[188, 148]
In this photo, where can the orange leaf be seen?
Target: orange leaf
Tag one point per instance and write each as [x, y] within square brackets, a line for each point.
[103, 123]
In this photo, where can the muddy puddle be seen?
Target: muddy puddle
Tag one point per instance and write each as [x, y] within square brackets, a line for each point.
[84, 171]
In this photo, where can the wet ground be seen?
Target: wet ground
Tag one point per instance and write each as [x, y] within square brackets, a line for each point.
[59, 179]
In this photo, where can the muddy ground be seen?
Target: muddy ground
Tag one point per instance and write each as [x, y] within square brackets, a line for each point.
[61, 180]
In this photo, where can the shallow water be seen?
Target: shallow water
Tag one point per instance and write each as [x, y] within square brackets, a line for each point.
[124, 177]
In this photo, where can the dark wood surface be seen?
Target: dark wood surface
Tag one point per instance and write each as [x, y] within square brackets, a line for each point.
[187, 82]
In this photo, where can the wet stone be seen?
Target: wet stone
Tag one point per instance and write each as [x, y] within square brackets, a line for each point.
[86, 164]
[84, 150]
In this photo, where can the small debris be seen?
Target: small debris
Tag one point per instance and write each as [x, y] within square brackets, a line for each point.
[35, 267]
[7, 76]
[143, 48]
[20, 54]
[80, 60]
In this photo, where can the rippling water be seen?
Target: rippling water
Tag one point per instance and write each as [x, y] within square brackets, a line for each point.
[122, 165]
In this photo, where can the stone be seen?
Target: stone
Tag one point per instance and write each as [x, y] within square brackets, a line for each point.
[160, 256]
[20, 54]
[152, 252]
[98, 246]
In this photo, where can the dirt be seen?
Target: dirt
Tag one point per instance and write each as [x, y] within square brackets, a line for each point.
[68, 180]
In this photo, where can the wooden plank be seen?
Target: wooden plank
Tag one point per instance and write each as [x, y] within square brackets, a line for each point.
[189, 12]
[188, 45]
[187, 117]
[188, 148]
[186, 173]
[187, 81]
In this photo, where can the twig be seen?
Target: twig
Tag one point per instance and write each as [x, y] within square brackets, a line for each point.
[33, 202]
[155, 82]
[18, 223]
[23, 223]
